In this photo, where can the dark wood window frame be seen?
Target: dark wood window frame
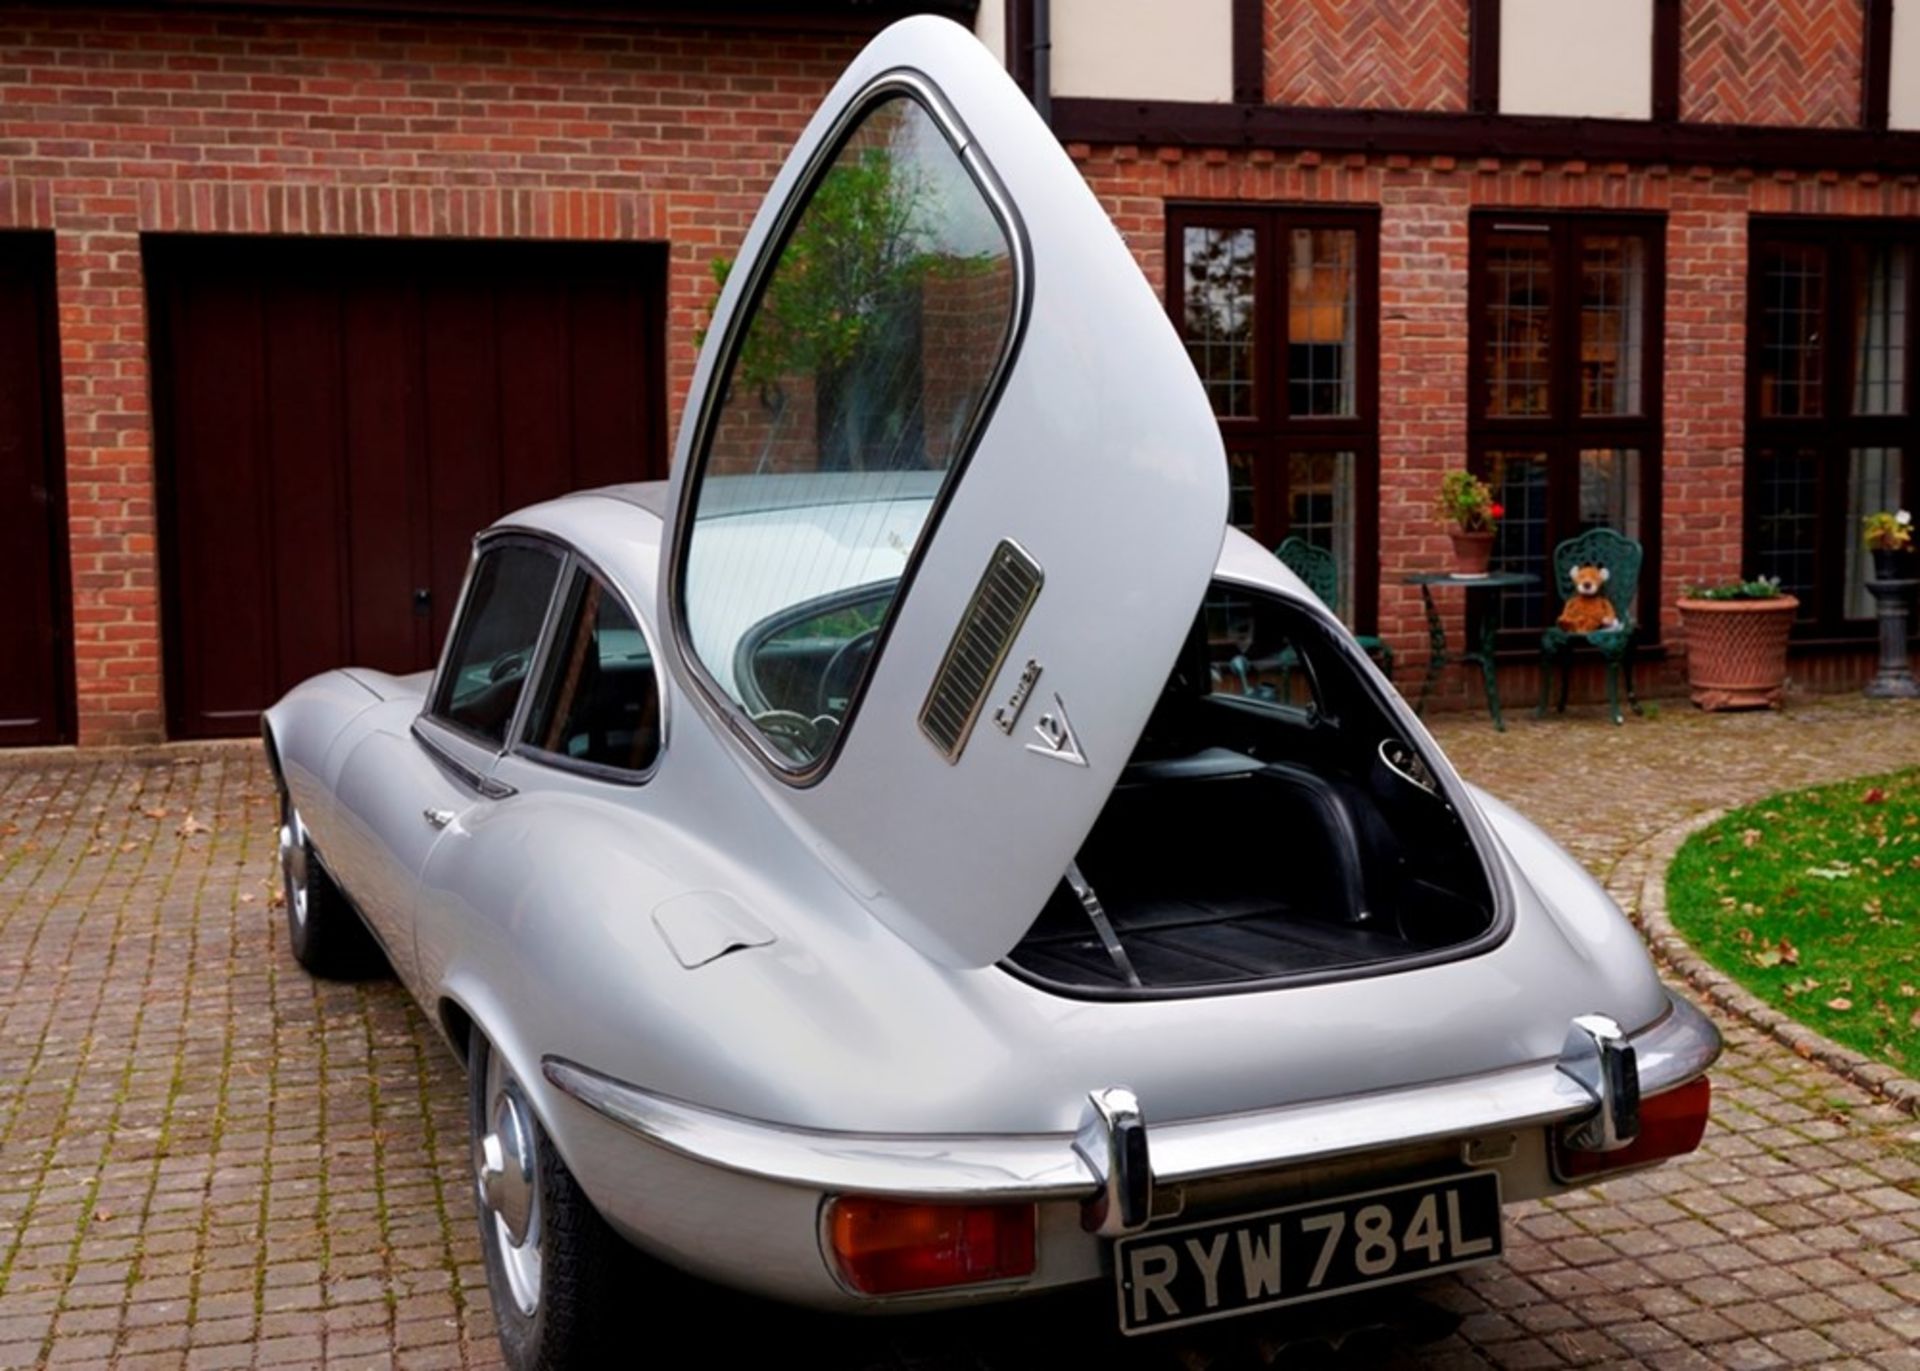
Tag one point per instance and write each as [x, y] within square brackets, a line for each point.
[1565, 432]
[1271, 434]
[1836, 430]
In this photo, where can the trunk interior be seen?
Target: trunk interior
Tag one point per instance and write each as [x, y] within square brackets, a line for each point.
[1274, 825]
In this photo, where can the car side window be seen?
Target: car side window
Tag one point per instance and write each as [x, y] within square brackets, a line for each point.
[599, 701]
[1253, 652]
[493, 644]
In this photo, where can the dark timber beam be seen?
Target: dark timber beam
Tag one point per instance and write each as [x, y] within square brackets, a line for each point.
[1296, 128]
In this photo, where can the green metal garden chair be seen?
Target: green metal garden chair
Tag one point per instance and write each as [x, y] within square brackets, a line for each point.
[1621, 556]
[1317, 567]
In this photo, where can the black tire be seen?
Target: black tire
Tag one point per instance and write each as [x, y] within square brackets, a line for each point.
[323, 929]
[581, 1262]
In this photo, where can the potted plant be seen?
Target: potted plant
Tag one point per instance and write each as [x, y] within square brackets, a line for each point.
[1737, 642]
[1889, 537]
[1468, 504]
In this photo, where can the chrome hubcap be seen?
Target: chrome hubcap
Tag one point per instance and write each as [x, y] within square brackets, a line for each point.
[507, 1169]
[293, 864]
[506, 1165]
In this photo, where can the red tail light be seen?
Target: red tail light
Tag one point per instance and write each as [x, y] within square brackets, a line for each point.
[889, 1247]
[1671, 1125]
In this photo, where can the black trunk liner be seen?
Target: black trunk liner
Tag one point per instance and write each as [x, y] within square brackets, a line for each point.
[1175, 942]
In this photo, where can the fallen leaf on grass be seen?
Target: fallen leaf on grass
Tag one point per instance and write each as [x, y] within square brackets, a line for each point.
[1782, 953]
[190, 826]
[1876, 795]
[1840, 1004]
[1750, 837]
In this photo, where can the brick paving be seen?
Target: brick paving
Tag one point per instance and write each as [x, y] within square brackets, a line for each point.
[207, 1159]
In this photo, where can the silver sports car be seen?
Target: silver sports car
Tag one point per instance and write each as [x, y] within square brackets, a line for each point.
[921, 853]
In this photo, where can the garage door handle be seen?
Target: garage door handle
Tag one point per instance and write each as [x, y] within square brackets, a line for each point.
[439, 818]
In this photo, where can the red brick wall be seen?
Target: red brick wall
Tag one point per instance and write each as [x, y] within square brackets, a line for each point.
[1771, 62]
[1424, 205]
[1367, 54]
[112, 125]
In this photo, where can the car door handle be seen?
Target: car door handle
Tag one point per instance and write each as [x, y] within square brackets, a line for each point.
[439, 818]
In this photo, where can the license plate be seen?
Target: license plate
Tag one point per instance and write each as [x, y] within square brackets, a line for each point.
[1224, 1267]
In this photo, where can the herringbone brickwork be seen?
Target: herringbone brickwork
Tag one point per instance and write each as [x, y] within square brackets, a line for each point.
[1367, 54]
[1771, 62]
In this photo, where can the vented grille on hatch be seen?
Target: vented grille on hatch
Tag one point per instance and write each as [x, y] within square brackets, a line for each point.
[1007, 590]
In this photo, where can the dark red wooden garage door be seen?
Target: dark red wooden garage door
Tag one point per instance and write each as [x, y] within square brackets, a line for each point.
[35, 652]
[336, 419]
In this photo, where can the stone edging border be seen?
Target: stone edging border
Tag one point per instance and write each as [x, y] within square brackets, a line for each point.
[1650, 915]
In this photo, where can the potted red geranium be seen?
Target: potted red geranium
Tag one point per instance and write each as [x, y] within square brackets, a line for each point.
[1467, 503]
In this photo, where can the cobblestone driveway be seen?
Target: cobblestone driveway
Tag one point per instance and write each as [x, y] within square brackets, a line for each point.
[207, 1159]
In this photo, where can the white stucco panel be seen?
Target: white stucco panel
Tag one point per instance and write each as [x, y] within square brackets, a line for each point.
[1903, 94]
[1143, 49]
[990, 27]
[1577, 57]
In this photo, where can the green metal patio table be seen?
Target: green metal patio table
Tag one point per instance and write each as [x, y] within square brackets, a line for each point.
[1439, 657]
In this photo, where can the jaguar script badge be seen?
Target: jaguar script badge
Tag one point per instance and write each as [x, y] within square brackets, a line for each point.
[1005, 717]
[1057, 739]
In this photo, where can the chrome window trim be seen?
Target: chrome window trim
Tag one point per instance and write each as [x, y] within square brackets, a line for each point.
[917, 86]
[1674, 1049]
[484, 542]
[445, 753]
[517, 742]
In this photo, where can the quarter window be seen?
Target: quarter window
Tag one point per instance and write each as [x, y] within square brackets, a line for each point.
[493, 644]
[846, 407]
[1564, 371]
[1278, 309]
[1831, 432]
[599, 704]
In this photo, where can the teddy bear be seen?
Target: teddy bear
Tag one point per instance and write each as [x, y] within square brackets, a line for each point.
[1588, 610]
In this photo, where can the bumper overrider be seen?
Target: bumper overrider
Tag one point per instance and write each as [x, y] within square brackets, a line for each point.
[1610, 1101]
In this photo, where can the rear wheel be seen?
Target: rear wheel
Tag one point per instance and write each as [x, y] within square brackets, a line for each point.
[325, 933]
[551, 1260]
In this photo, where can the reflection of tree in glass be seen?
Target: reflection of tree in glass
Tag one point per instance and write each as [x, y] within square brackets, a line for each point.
[1219, 284]
[841, 313]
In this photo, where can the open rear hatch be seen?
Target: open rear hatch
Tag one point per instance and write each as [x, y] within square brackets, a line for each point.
[945, 500]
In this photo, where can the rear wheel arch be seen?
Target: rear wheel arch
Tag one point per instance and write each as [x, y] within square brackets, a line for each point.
[457, 1027]
[272, 747]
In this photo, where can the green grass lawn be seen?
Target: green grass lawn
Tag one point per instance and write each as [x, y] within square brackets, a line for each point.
[1812, 901]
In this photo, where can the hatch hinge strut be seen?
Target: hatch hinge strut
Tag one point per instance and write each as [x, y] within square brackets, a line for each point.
[1102, 925]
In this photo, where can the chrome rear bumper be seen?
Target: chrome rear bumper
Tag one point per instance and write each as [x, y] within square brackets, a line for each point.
[1092, 1166]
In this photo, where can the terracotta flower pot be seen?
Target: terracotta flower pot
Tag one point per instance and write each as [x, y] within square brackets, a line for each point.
[1472, 553]
[1737, 651]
